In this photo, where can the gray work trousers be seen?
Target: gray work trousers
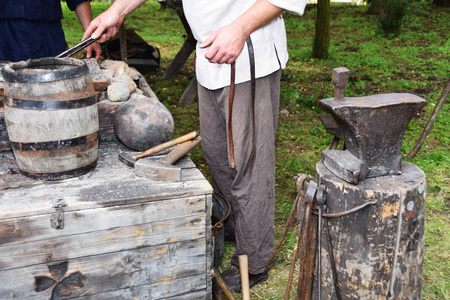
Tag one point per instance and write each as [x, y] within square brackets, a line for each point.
[252, 195]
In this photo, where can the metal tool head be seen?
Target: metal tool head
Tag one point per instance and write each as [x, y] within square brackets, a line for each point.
[163, 168]
[310, 193]
[321, 195]
[346, 165]
[157, 170]
[127, 158]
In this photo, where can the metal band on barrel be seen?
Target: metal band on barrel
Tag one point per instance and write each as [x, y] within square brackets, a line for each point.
[61, 175]
[51, 105]
[55, 145]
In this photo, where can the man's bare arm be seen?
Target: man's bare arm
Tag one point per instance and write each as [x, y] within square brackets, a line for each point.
[111, 19]
[84, 14]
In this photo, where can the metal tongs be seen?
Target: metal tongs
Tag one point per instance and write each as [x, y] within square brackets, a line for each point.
[78, 47]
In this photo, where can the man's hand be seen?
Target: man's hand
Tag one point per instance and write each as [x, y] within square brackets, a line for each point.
[225, 44]
[107, 20]
[94, 48]
[110, 20]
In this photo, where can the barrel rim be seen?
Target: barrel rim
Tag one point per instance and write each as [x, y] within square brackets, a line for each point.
[10, 73]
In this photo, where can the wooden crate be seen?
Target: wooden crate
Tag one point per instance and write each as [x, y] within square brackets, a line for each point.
[124, 237]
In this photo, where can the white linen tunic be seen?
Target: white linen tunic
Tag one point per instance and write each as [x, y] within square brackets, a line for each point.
[269, 42]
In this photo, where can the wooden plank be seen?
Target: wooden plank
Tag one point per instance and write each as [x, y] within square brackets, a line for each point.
[110, 184]
[104, 241]
[190, 93]
[146, 292]
[160, 271]
[87, 193]
[143, 61]
[37, 227]
[180, 58]
[192, 295]
[209, 243]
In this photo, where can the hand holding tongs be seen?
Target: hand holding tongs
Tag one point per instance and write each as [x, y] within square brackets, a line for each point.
[78, 47]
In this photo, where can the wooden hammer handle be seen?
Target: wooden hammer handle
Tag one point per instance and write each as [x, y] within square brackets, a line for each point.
[164, 146]
[180, 151]
[223, 286]
[243, 268]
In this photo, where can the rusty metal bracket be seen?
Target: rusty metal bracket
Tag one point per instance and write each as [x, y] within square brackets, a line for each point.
[57, 219]
[321, 199]
[310, 192]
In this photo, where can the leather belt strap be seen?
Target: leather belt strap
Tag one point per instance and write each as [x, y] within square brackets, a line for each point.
[251, 55]
[230, 113]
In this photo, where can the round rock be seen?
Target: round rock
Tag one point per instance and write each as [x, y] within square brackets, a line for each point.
[118, 91]
[142, 123]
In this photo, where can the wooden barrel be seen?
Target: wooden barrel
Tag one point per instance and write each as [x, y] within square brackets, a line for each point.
[376, 252]
[51, 117]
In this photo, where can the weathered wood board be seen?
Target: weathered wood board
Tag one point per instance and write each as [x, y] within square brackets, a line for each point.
[124, 236]
[378, 250]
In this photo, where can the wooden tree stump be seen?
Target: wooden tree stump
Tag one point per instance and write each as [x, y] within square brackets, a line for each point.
[375, 256]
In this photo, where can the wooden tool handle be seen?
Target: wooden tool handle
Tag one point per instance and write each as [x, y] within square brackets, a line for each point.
[223, 286]
[243, 268]
[430, 122]
[164, 146]
[180, 151]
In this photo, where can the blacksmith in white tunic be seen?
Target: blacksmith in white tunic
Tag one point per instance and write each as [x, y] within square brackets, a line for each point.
[243, 170]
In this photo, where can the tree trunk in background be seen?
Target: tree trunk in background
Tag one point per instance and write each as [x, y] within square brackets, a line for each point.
[375, 7]
[391, 16]
[322, 35]
[442, 3]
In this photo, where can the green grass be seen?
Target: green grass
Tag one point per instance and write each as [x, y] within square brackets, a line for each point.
[417, 61]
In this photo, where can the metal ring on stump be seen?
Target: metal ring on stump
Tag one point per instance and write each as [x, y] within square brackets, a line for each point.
[51, 117]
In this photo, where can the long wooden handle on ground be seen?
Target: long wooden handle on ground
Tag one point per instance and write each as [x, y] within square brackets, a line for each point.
[164, 146]
[223, 286]
[431, 121]
[243, 268]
